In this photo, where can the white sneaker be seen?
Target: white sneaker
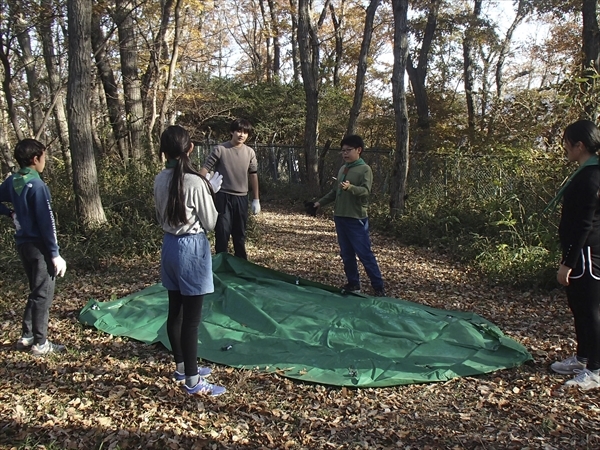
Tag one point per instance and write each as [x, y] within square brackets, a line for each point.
[569, 366]
[48, 347]
[24, 343]
[584, 380]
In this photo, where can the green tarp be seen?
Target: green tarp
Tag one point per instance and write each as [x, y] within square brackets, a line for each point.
[259, 318]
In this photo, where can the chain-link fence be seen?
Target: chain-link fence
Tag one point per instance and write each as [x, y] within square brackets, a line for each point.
[451, 177]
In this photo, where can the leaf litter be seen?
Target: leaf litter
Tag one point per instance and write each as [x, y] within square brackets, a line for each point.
[115, 393]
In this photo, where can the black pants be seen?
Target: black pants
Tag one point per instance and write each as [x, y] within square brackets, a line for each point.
[583, 294]
[232, 220]
[39, 268]
[183, 320]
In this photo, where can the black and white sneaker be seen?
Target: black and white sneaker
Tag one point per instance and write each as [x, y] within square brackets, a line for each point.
[45, 349]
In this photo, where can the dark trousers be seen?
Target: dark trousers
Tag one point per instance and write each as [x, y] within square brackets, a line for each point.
[354, 240]
[183, 320]
[39, 268]
[232, 220]
[583, 294]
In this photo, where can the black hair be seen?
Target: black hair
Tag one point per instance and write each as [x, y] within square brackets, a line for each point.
[26, 150]
[354, 141]
[584, 131]
[175, 143]
[240, 125]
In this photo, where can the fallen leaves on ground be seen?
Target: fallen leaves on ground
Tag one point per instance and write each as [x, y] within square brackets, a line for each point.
[115, 393]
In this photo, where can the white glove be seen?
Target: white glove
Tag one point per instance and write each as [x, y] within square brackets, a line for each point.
[255, 206]
[215, 180]
[60, 266]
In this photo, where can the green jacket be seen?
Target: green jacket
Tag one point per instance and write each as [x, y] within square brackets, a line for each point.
[352, 202]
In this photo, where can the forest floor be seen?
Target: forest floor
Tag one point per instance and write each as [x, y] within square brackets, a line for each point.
[115, 393]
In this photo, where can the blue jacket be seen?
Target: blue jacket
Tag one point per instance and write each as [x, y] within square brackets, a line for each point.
[34, 219]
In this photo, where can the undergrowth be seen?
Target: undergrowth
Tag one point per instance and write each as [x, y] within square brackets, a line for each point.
[503, 234]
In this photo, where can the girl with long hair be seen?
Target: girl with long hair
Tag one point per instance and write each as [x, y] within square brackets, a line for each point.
[186, 211]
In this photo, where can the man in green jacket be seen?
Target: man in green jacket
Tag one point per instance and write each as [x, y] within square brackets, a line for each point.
[351, 197]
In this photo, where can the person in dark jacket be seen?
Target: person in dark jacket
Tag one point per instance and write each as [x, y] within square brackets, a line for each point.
[579, 269]
[37, 246]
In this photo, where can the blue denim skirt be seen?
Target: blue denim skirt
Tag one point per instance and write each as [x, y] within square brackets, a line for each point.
[186, 264]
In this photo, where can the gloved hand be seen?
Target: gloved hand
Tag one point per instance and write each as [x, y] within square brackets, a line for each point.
[256, 206]
[215, 180]
[60, 266]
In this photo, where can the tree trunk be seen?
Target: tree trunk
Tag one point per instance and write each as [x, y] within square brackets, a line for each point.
[56, 88]
[8, 163]
[276, 44]
[308, 46]
[158, 51]
[6, 87]
[129, 70]
[338, 31]
[168, 89]
[33, 83]
[294, 40]
[85, 179]
[591, 34]
[361, 69]
[399, 173]
[417, 75]
[468, 68]
[523, 9]
[111, 90]
[266, 20]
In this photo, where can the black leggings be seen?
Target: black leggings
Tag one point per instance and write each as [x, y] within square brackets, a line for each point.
[183, 320]
[583, 294]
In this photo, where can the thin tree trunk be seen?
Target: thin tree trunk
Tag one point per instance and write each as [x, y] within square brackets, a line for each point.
[168, 89]
[276, 45]
[308, 46]
[8, 162]
[591, 51]
[85, 178]
[6, 87]
[591, 34]
[111, 90]
[52, 63]
[131, 83]
[417, 75]
[294, 41]
[337, 28]
[523, 9]
[399, 173]
[157, 51]
[266, 19]
[361, 69]
[26, 56]
[468, 68]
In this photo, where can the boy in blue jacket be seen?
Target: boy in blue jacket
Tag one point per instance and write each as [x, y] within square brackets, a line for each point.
[36, 242]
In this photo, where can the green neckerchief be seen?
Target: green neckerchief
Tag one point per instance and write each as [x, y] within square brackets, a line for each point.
[347, 167]
[22, 177]
[171, 163]
[591, 161]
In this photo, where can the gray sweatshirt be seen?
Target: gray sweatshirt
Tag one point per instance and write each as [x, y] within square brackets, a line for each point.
[234, 163]
[199, 206]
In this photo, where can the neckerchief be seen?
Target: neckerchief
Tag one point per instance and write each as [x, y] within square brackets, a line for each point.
[591, 161]
[347, 167]
[170, 164]
[22, 177]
